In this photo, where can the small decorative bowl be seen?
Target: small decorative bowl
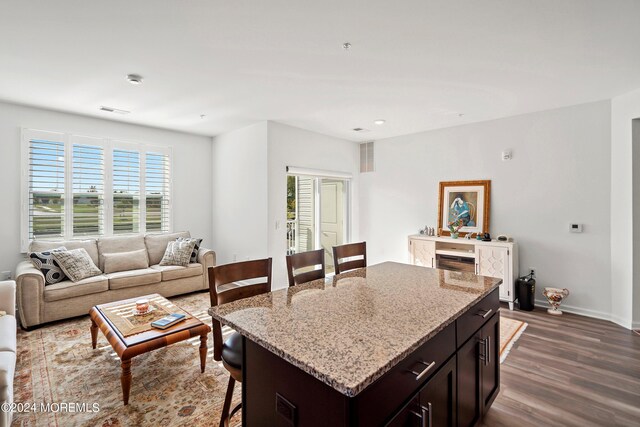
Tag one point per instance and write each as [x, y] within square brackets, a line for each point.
[555, 296]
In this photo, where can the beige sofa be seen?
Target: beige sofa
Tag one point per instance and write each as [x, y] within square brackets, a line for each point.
[39, 304]
[7, 347]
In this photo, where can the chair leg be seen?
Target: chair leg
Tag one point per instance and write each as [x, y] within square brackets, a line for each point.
[224, 417]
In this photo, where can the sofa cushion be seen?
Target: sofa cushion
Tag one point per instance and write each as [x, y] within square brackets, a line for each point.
[89, 245]
[7, 371]
[76, 264]
[8, 333]
[109, 245]
[45, 262]
[125, 261]
[131, 278]
[69, 289]
[157, 244]
[171, 272]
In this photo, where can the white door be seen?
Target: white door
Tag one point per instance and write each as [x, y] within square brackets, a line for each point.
[423, 252]
[494, 262]
[331, 218]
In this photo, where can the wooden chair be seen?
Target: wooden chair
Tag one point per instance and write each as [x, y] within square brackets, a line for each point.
[302, 260]
[222, 290]
[348, 251]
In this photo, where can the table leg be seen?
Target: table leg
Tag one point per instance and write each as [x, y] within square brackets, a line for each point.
[125, 379]
[203, 351]
[94, 334]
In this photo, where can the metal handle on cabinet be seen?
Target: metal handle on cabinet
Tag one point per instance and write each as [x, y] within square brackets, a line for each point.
[482, 356]
[429, 366]
[431, 262]
[421, 416]
[488, 351]
[424, 415]
[484, 316]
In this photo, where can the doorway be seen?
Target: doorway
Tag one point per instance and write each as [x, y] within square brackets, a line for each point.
[317, 214]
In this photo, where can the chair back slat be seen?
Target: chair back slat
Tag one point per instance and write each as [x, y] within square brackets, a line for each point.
[235, 272]
[348, 251]
[305, 260]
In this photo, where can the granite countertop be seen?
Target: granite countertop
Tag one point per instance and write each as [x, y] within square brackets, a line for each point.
[350, 330]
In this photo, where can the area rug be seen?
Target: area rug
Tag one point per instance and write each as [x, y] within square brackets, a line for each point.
[510, 331]
[56, 364]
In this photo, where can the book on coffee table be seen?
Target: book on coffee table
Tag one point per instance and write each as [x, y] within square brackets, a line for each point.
[168, 321]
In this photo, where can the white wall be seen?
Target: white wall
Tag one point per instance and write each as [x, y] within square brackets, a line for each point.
[191, 169]
[290, 146]
[560, 173]
[239, 165]
[625, 282]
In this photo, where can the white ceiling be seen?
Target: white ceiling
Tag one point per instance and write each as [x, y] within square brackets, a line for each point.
[415, 63]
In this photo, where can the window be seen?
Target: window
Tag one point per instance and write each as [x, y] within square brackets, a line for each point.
[77, 186]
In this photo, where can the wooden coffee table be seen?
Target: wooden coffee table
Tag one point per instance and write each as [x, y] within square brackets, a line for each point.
[129, 347]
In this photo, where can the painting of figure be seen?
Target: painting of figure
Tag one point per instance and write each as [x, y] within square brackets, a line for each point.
[463, 208]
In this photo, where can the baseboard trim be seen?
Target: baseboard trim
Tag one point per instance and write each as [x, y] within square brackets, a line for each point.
[591, 313]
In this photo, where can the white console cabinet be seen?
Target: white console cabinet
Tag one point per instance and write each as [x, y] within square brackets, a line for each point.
[493, 259]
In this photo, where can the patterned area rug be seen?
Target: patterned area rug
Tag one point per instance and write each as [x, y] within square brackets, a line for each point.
[57, 364]
[510, 331]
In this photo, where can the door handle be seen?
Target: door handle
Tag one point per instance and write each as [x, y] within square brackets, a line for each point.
[421, 374]
[484, 316]
[426, 413]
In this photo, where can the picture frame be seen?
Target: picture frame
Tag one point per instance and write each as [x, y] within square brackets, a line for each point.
[468, 201]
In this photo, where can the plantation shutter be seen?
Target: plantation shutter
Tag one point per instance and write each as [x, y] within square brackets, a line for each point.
[157, 192]
[88, 188]
[126, 191]
[46, 185]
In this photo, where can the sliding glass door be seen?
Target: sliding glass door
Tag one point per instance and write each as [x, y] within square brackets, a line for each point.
[317, 214]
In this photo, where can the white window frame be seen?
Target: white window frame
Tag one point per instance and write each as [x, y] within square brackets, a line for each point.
[108, 145]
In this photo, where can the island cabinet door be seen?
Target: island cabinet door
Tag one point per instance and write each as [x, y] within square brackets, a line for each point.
[438, 398]
[423, 252]
[469, 381]
[490, 335]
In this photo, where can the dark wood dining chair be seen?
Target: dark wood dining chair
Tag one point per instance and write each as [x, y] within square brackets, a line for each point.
[349, 251]
[224, 289]
[305, 260]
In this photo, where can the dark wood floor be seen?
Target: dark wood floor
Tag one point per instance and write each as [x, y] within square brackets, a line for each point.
[569, 370]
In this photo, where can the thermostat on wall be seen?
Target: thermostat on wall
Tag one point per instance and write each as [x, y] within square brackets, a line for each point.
[575, 228]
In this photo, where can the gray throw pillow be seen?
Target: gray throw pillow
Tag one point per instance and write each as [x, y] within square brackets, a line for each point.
[196, 248]
[44, 262]
[178, 253]
[76, 264]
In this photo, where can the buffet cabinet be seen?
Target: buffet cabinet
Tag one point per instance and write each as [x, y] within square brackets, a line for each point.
[450, 380]
[491, 259]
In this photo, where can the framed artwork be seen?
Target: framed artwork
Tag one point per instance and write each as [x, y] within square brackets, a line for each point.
[465, 204]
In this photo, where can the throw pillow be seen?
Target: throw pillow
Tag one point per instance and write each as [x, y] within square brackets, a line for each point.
[178, 253]
[76, 264]
[45, 262]
[196, 248]
[124, 261]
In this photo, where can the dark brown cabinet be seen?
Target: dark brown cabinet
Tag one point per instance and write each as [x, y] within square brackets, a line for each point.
[478, 372]
[435, 404]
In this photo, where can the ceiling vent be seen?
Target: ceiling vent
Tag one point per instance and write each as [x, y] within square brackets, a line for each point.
[366, 157]
[114, 110]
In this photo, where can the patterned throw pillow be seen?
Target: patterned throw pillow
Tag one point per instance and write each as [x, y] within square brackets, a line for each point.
[196, 248]
[178, 253]
[45, 262]
[76, 264]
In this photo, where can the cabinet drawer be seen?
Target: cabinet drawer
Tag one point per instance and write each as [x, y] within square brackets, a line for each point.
[472, 320]
[383, 398]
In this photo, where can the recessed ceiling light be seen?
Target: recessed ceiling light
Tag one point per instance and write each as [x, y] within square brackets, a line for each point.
[346, 45]
[113, 110]
[134, 79]
[379, 122]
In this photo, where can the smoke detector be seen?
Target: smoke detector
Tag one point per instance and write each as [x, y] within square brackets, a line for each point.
[134, 79]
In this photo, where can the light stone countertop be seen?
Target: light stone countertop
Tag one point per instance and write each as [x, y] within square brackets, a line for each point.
[352, 329]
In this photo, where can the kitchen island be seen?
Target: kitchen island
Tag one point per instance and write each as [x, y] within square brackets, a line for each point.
[391, 344]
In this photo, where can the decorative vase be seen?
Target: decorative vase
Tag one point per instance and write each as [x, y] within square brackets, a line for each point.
[555, 296]
[454, 235]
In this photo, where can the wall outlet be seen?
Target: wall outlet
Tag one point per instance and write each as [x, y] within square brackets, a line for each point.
[5, 275]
